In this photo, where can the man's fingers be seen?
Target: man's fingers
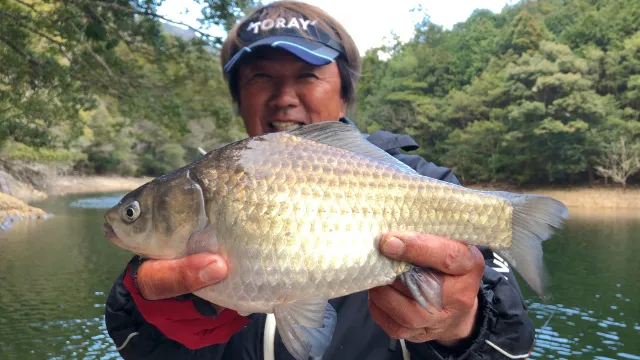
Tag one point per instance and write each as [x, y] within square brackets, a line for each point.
[449, 256]
[389, 325]
[405, 311]
[163, 279]
[402, 288]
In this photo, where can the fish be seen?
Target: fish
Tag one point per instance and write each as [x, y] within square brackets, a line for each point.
[298, 216]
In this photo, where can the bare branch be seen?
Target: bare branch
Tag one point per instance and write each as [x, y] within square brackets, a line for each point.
[620, 162]
[17, 49]
[131, 10]
[26, 26]
[29, 5]
[64, 51]
[127, 42]
[99, 58]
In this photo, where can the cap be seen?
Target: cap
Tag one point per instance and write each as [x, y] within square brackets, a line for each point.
[288, 33]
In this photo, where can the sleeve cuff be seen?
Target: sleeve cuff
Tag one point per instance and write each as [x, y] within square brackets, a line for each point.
[430, 348]
[484, 343]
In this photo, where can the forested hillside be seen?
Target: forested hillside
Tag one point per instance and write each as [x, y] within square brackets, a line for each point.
[106, 87]
[546, 92]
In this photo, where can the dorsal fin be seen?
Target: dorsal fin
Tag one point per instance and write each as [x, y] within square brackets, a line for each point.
[347, 137]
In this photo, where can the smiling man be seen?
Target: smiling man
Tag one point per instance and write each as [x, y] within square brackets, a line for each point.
[280, 92]
[290, 64]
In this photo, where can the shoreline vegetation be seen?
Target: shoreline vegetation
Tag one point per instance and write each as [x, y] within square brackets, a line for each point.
[581, 200]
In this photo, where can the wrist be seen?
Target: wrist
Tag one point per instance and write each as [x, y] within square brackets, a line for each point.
[462, 330]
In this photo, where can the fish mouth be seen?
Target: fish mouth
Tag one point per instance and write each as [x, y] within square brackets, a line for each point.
[285, 125]
[110, 234]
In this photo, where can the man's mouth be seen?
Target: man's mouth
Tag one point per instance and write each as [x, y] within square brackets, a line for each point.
[285, 125]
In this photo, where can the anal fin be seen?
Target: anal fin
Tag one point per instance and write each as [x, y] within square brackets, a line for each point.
[306, 326]
[425, 287]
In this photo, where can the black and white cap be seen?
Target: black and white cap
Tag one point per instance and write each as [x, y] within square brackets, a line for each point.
[318, 48]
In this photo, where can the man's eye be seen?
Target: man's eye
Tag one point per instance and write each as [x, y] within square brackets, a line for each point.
[260, 76]
[309, 76]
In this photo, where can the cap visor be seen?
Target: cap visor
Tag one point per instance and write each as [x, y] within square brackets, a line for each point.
[308, 51]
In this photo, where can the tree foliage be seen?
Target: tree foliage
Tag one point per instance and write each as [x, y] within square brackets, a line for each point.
[538, 93]
[113, 81]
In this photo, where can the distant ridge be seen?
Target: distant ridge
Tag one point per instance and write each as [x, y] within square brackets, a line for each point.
[184, 34]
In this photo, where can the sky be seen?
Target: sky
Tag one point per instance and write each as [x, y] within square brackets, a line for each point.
[367, 23]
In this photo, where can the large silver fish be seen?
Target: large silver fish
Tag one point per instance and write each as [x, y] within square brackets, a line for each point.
[298, 216]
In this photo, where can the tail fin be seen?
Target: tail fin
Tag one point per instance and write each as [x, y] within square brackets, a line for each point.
[534, 220]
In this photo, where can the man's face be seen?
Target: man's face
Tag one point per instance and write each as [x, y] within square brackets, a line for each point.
[278, 92]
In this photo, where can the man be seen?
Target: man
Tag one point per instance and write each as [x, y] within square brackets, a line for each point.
[290, 64]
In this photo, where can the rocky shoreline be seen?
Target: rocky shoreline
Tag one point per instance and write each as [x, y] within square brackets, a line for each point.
[65, 185]
[13, 209]
[23, 183]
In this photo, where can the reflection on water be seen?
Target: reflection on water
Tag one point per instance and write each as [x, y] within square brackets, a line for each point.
[102, 202]
[55, 276]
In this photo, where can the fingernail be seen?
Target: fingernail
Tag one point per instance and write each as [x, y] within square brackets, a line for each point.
[393, 246]
[213, 272]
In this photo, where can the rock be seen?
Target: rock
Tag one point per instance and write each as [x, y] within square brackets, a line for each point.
[30, 181]
[13, 209]
[18, 189]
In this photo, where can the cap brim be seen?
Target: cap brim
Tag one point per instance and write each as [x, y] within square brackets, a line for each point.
[308, 51]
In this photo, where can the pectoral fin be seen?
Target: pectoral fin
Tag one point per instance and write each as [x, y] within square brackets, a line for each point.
[203, 240]
[306, 326]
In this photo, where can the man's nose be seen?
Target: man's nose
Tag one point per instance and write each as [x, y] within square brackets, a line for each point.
[284, 95]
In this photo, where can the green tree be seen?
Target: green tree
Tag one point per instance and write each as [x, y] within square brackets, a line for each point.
[476, 153]
[527, 33]
[58, 56]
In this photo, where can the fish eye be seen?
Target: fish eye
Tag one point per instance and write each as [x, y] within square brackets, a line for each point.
[130, 212]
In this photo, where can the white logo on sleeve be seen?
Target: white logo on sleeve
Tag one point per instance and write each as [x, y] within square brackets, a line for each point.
[501, 265]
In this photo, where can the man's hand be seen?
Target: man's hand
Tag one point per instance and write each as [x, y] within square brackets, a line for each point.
[158, 282]
[163, 279]
[460, 270]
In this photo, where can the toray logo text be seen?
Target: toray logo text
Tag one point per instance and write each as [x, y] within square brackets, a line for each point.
[279, 23]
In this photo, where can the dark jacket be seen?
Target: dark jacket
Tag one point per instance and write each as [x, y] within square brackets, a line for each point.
[503, 325]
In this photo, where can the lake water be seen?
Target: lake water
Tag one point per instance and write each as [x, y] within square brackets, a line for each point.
[55, 276]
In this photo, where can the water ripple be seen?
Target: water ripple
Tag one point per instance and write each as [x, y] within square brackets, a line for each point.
[560, 337]
[62, 339]
[628, 356]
